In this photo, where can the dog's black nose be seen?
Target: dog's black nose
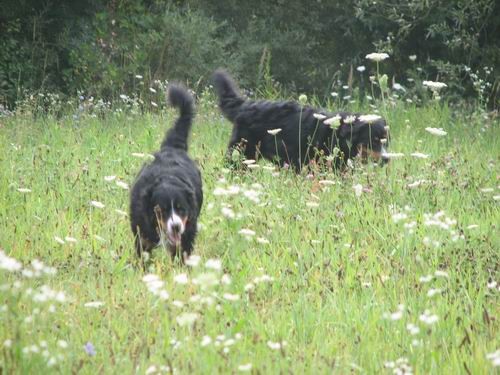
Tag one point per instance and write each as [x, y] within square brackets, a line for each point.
[176, 227]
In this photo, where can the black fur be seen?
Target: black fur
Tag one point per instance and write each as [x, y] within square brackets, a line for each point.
[171, 181]
[295, 145]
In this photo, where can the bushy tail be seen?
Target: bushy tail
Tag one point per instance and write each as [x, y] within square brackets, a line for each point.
[177, 136]
[230, 100]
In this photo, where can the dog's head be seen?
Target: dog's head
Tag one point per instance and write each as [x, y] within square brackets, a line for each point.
[172, 208]
[367, 138]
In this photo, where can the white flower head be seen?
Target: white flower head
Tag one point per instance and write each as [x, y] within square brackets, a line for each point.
[393, 155]
[245, 368]
[436, 131]
[419, 155]
[377, 57]
[24, 190]
[349, 119]
[231, 297]
[274, 131]
[181, 278]
[361, 68]
[97, 204]
[247, 232]
[122, 184]
[276, 345]
[192, 261]
[434, 86]
[214, 264]
[303, 99]
[319, 116]
[333, 122]
[412, 57]
[94, 304]
[369, 118]
[358, 189]
[186, 319]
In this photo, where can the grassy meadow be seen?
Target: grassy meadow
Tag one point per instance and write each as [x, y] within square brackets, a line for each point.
[376, 270]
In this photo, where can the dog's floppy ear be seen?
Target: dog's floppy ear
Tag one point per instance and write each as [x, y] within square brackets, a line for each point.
[348, 131]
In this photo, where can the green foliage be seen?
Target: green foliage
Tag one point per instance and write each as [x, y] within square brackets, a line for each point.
[99, 46]
[339, 265]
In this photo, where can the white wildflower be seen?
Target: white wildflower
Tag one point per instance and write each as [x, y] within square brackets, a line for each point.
[432, 292]
[206, 280]
[94, 304]
[97, 204]
[181, 278]
[377, 57]
[419, 155]
[231, 297]
[274, 131]
[361, 68]
[152, 90]
[303, 99]
[358, 189]
[349, 119]
[193, 261]
[441, 273]
[369, 118]
[435, 86]
[24, 190]
[109, 178]
[425, 279]
[138, 76]
[225, 279]
[312, 204]
[412, 328]
[319, 116]
[412, 57]
[245, 368]
[186, 319]
[276, 345]
[9, 264]
[228, 213]
[494, 358]
[327, 182]
[262, 240]
[398, 87]
[492, 284]
[121, 212]
[416, 183]
[122, 184]
[333, 122]
[247, 232]
[206, 340]
[393, 155]
[428, 318]
[62, 344]
[70, 239]
[249, 161]
[214, 264]
[59, 240]
[436, 131]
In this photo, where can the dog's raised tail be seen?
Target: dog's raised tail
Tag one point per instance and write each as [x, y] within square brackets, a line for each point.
[177, 136]
[230, 100]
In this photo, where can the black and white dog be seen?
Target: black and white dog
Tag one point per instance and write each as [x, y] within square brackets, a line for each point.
[167, 195]
[286, 132]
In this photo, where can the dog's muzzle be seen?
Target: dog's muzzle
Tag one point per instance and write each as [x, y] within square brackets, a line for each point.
[175, 227]
[367, 153]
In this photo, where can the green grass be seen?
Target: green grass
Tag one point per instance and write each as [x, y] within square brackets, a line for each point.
[338, 268]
